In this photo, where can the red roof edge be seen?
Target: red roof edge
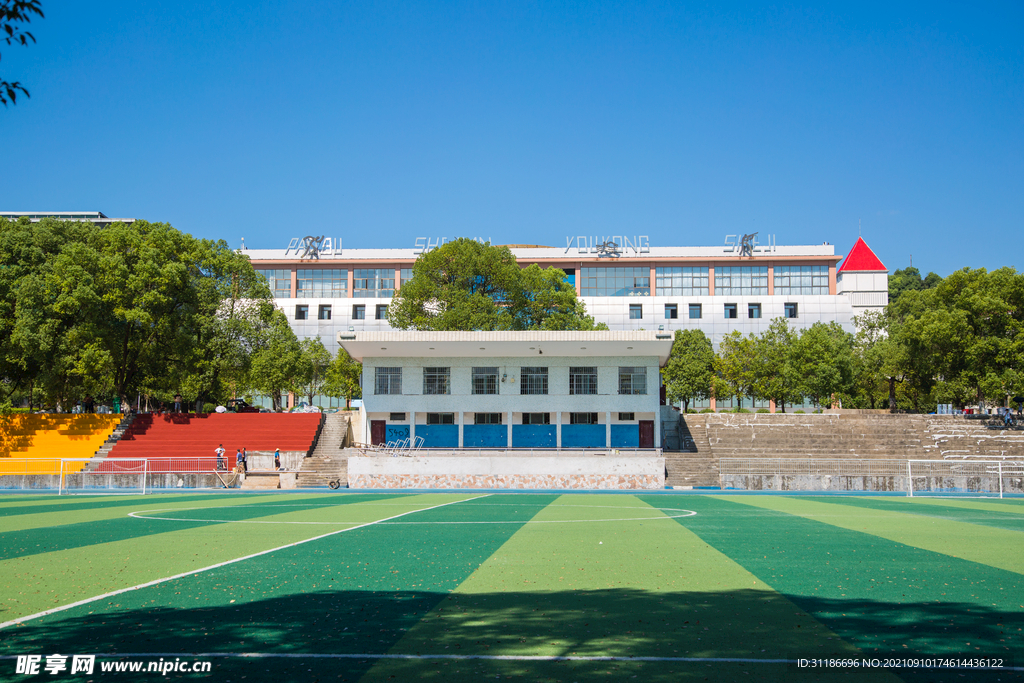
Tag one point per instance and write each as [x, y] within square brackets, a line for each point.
[861, 258]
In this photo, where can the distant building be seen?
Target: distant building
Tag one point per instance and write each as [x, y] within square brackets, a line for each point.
[96, 217]
[863, 279]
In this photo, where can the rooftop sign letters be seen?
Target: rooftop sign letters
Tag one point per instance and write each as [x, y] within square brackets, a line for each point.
[425, 244]
[314, 247]
[614, 245]
[747, 245]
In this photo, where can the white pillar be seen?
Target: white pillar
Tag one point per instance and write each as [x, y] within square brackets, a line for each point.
[657, 428]
[508, 443]
[412, 429]
[558, 430]
[608, 430]
[460, 429]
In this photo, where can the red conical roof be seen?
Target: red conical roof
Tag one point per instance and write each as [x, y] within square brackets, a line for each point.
[861, 258]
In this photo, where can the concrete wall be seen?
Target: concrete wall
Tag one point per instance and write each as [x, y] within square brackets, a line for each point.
[809, 482]
[511, 472]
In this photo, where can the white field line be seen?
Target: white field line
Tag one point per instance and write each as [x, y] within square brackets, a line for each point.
[511, 658]
[30, 617]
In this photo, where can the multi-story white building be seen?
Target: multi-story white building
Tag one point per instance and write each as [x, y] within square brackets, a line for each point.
[623, 281]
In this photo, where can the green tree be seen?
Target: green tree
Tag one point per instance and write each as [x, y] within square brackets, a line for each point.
[343, 378]
[315, 364]
[14, 13]
[277, 365]
[466, 285]
[909, 279]
[774, 377]
[823, 359]
[690, 368]
[735, 365]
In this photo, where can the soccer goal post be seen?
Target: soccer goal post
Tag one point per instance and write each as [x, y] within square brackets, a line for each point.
[987, 478]
[111, 476]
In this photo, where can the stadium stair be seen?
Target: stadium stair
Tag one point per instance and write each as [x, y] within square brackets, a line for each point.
[707, 437]
[190, 436]
[328, 462]
[50, 437]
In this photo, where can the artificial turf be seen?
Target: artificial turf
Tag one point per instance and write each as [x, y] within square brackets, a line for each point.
[523, 575]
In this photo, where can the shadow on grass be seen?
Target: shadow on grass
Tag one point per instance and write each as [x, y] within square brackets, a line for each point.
[615, 622]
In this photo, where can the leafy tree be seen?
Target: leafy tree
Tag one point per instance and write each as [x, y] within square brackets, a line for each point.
[14, 13]
[315, 364]
[690, 368]
[277, 364]
[823, 358]
[343, 378]
[909, 279]
[466, 285]
[773, 375]
[736, 364]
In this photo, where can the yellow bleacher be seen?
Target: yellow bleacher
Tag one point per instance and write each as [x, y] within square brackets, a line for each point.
[43, 440]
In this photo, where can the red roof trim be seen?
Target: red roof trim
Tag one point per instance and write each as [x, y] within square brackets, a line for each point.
[861, 258]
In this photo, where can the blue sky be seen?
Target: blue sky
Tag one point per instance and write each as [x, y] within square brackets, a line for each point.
[526, 122]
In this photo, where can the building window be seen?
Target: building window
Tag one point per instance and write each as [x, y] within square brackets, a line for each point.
[582, 380]
[533, 380]
[583, 418]
[730, 310]
[679, 281]
[633, 380]
[404, 276]
[536, 418]
[732, 280]
[791, 310]
[322, 283]
[359, 312]
[437, 381]
[615, 281]
[440, 418]
[280, 282]
[753, 310]
[801, 280]
[485, 380]
[388, 381]
[382, 312]
[695, 311]
[302, 312]
[627, 417]
[324, 313]
[487, 418]
[373, 282]
[671, 311]
[397, 417]
[636, 312]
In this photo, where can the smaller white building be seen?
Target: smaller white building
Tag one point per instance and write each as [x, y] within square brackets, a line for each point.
[511, 390]
[863, 279]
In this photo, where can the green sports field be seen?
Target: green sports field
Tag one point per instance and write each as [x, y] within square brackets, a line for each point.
[473, 586]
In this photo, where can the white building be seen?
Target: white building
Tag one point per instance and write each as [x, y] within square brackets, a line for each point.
[498, 390]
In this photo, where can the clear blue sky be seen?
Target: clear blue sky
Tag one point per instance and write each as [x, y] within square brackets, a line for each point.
[526, 122]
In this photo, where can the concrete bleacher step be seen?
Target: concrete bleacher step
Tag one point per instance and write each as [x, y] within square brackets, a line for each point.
[328, 461]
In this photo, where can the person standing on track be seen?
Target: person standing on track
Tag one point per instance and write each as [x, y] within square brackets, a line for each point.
[243, 461]
[277, 459]
[220, 456]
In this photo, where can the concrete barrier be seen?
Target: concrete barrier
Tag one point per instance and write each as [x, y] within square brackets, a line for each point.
[507, 472]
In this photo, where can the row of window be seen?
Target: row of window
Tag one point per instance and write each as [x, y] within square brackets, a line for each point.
[696, 312]
[533, 380]
[631, 281]
[694, 281]
[528, 418]
[325, 310]
[328, 283]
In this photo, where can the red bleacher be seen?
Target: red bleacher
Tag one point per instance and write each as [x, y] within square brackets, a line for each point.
[190, 436]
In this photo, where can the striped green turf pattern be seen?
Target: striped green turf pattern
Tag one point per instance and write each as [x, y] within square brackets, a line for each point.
[882, 596]
[636, 588]
[1005, 518]
[353, 592]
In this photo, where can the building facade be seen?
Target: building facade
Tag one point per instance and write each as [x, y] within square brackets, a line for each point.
[623, 281]
[501, 390]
